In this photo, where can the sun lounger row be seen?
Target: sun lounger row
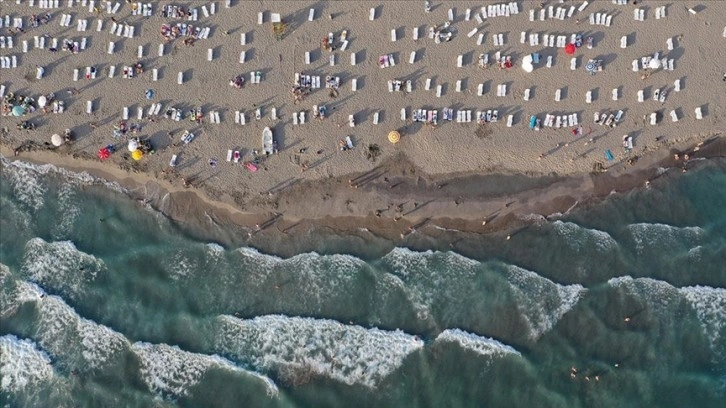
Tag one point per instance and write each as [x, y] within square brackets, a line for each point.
[608, 119]
[65, 20]
[639, 14]
[307, 81]
[498, 40]
[668, 64]
[187, 137]
[502, 90]
[600, 19]
[214, 117]
[385, 61]
[620, 2]
[398, 85]
[9, 62]
[46, 4]
[81, 25]
[660, 12]
[463, 116]
[488, 116]
[559, 121]
[332, 82]
[17, 22]
[59, 107]
[426, 116]
[122, 30]
[549, 40]
[499, 10]
[142, 9]
[154, 109]
[112, 8]
[6, 42]
[299, 118]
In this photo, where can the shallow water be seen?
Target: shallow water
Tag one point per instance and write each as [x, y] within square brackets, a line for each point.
[104, 302]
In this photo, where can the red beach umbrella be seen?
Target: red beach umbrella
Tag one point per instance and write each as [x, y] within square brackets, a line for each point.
[104, 153]
[570, 48]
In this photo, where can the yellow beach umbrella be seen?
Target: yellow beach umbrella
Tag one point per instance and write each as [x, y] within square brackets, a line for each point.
[394, 137]
[137, 154]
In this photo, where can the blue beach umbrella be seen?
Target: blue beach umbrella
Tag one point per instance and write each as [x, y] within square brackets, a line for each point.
[590, 67]
[149, 93]
[18, 111]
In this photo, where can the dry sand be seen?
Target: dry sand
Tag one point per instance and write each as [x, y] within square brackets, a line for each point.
[444, 168]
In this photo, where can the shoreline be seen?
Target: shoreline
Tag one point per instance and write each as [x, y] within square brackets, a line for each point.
[437, 211]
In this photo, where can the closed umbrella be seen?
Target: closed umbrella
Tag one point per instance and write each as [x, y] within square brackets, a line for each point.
[137, 155]
[56, 139]
[527, 63]
[18, 111]
[654, 63]
[570, 48]
[394, 137]
[133, 145]
[42, 101]
[590, 67]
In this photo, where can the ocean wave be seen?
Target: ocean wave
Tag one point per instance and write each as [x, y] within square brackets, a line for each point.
[425, 275]
[67, 213]
[578, 238]
[484, 346]
[710, 306]
[171, 371]
[540, 301]
[652, 290]
[22, 364]
[60, 266]
[296, 348]
[665, 238]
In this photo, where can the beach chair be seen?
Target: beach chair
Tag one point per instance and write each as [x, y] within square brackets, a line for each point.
[351, 120]
[663, 95]
[699, 113]
[558, 94]
[624, 41]
[558, 122]
[619, 116]
[302, 117]
[403, 114]
[409, 86]
[656, 94]
[573, 64]
[460, 61]
[458, 85]
[372, 14]
[295, 120]
[438, 91]
[677, 85]
[549, 61]
[588, 97]
[641, 96]
[615, 94]
[674, 116]
[375, 118]
[510, 120]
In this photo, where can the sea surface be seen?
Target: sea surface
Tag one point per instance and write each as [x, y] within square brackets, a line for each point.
[104, 302]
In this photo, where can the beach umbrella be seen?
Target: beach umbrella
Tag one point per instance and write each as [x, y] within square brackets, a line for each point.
[570, 48]
[133, 145]
[590, 67]
[18, 111]
[137, 154]
[654, 63]
[42, 101]
[149, 93]
[394, 137]
[56, 139]
[104, 153]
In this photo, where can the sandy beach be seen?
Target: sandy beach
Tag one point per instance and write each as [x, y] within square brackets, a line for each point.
[467, 176]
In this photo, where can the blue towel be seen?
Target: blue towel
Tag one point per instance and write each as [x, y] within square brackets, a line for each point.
[609, 155]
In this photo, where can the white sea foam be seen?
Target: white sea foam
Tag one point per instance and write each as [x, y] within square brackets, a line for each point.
[68, 211]
[655, 291]
[60, 266]
[296, 347]
[83, 342]
[315, 278]
[425, 274]
[541, 301]
[579, 238]
[665, 238]
[168, 370]
[22, 364]
[484, 346]
[710, 306]
[5, 274]
[25, 182]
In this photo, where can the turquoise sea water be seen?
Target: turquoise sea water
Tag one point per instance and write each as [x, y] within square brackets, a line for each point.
[104, 302]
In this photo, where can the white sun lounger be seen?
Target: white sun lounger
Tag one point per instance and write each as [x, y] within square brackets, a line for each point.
[273, 113]
[354, 84]
[480, 90]
[438, 91]
[236, 117]
[615, 94]
[656, 94]
[393, 35]
[670, 64]
[415, 33]
[636, 65]
[669, 44]
[111, 47]
[467, 15]
[111, 71]
[409, 86]
[480, 40]
[510, 120]
[460, 61]
[549, 61]
[558, 94]
[76, 74]
[624, 41]
[25, 46]
[139, 113]
[352, 58]
[311, 14]
[527, 94]
[294, 118]
[458, 85]
[588, 97]
[523, 37]
[699, 113]
[243, 119]
[89, 107]
[674, 116]
[260, 18]
[428, 84]
[351, 120]
[302, 117]
[641, 97]
[243, 55]
[125, 114]
[180, 78]
[372, 14]
[479, 19]
[573, 64]
[375, 118]
[532, 14]
[403, 114]
[677, 85]
[412, 58]
[451, 14]
[472, 32]
[653, 119]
